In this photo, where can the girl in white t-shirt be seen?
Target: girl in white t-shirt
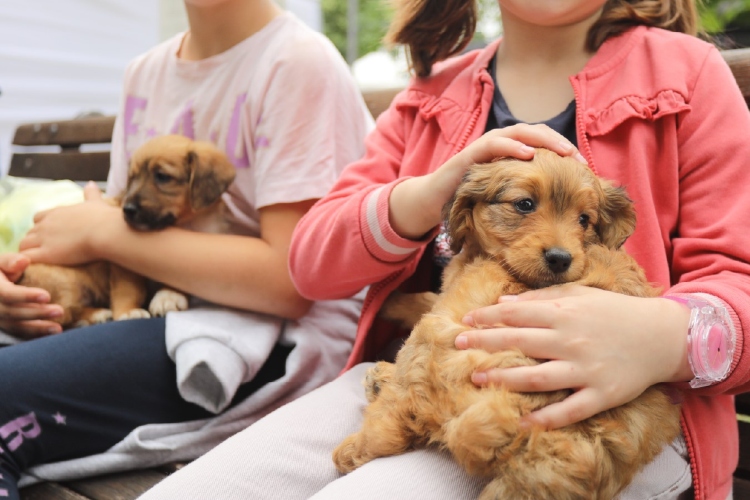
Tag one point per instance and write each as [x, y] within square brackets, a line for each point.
[280, 101]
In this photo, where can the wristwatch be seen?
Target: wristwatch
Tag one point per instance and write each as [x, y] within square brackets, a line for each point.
[710, 338]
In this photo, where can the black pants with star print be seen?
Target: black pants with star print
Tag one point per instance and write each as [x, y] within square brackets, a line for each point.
[80, 392]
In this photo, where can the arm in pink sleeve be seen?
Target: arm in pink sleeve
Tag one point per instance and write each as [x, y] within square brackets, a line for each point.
[712, 249]
[345, 242]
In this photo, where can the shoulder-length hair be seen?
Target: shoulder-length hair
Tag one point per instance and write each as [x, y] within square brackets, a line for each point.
[434, 30]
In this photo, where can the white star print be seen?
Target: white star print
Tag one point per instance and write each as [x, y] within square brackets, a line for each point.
[59, 418]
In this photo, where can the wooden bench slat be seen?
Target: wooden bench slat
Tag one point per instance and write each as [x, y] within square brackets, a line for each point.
[739, 62]
[120, 486]
[378, 100]
[90, 166]
[66, 133]
[49, 491]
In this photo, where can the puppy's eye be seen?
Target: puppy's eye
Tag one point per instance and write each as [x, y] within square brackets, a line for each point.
[525, 206]
[583, 220]
[161, 178]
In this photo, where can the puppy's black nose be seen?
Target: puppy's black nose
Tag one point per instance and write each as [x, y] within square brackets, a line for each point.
[130, 210]
[558, 260]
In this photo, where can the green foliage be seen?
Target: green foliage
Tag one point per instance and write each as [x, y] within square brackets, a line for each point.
[717, 15]
[374, 16]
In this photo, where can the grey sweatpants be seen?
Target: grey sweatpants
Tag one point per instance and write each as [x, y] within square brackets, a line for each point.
[287, 455]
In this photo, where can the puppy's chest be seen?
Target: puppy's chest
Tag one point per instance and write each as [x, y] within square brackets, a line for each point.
[479, 284]
[214, 221]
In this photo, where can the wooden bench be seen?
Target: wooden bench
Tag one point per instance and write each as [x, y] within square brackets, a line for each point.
[70, 162]
[78, 165]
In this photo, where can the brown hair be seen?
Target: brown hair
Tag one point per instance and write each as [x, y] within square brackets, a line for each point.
[434, 30]
[619, 15]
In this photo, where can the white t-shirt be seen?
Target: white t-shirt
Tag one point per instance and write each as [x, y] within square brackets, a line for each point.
[282, 104]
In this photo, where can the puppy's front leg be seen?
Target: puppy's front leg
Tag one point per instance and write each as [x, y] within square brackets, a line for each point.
[127, 293]
[166, 300]
[384, 431]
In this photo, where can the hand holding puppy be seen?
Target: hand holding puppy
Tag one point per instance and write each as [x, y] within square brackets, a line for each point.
[594, 341]
[68, 235]
[25, 312]
[416, 203]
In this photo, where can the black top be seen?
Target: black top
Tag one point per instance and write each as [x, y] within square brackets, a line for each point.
[564, 123]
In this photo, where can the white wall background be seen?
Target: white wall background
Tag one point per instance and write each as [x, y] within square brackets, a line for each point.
[60, 58]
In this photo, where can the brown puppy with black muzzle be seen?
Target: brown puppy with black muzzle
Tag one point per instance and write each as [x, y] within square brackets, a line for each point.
[172, 180]
[518, 225]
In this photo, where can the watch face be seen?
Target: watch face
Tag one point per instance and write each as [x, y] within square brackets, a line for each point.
[717, 348]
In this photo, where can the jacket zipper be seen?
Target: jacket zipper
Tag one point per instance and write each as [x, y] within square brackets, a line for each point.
[697, 490]
[376, 288]
[586, 150]
[469, 129]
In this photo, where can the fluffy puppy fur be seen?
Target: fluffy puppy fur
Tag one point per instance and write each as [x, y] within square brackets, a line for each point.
[518, 226]
[172, 180]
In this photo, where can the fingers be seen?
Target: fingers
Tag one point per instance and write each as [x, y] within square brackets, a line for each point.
[549, 293]
[523, 137]
[491, 147]
[530, 314]
[91, 191]
[27, 330]
[41, 215]
[15, 294]
[12, 266]
[536, 343]
[30, 247]
[536, 308]
[578, 406]
[30, 311]
[545, 377]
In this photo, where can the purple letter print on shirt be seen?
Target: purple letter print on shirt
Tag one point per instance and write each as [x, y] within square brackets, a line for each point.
[183, 125]
[23, 427]
[238, 158]
[131, 127]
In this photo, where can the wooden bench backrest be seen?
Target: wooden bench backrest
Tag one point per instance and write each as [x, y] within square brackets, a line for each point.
[70, 162]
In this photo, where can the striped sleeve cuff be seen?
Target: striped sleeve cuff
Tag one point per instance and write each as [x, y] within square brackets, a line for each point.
[380, 238]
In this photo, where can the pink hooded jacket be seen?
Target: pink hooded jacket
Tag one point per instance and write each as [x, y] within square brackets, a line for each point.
[658, 112]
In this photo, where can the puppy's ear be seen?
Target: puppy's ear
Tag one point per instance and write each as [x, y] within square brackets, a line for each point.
[616, 216]
[459, 214]
[211, 173]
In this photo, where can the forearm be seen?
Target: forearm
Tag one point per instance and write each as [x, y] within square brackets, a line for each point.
[236, 271]
[410, 213]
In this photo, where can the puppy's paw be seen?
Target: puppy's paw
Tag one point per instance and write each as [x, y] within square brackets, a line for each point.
[134, 314]
[101, 316]
[167, 300]
[376, 377]
[94, 317]
[345, 456]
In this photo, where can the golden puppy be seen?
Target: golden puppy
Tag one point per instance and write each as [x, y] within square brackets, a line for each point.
[518, 225]
[172, 180]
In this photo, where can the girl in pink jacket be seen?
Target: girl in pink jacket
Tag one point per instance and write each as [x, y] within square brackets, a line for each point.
[622, 85]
